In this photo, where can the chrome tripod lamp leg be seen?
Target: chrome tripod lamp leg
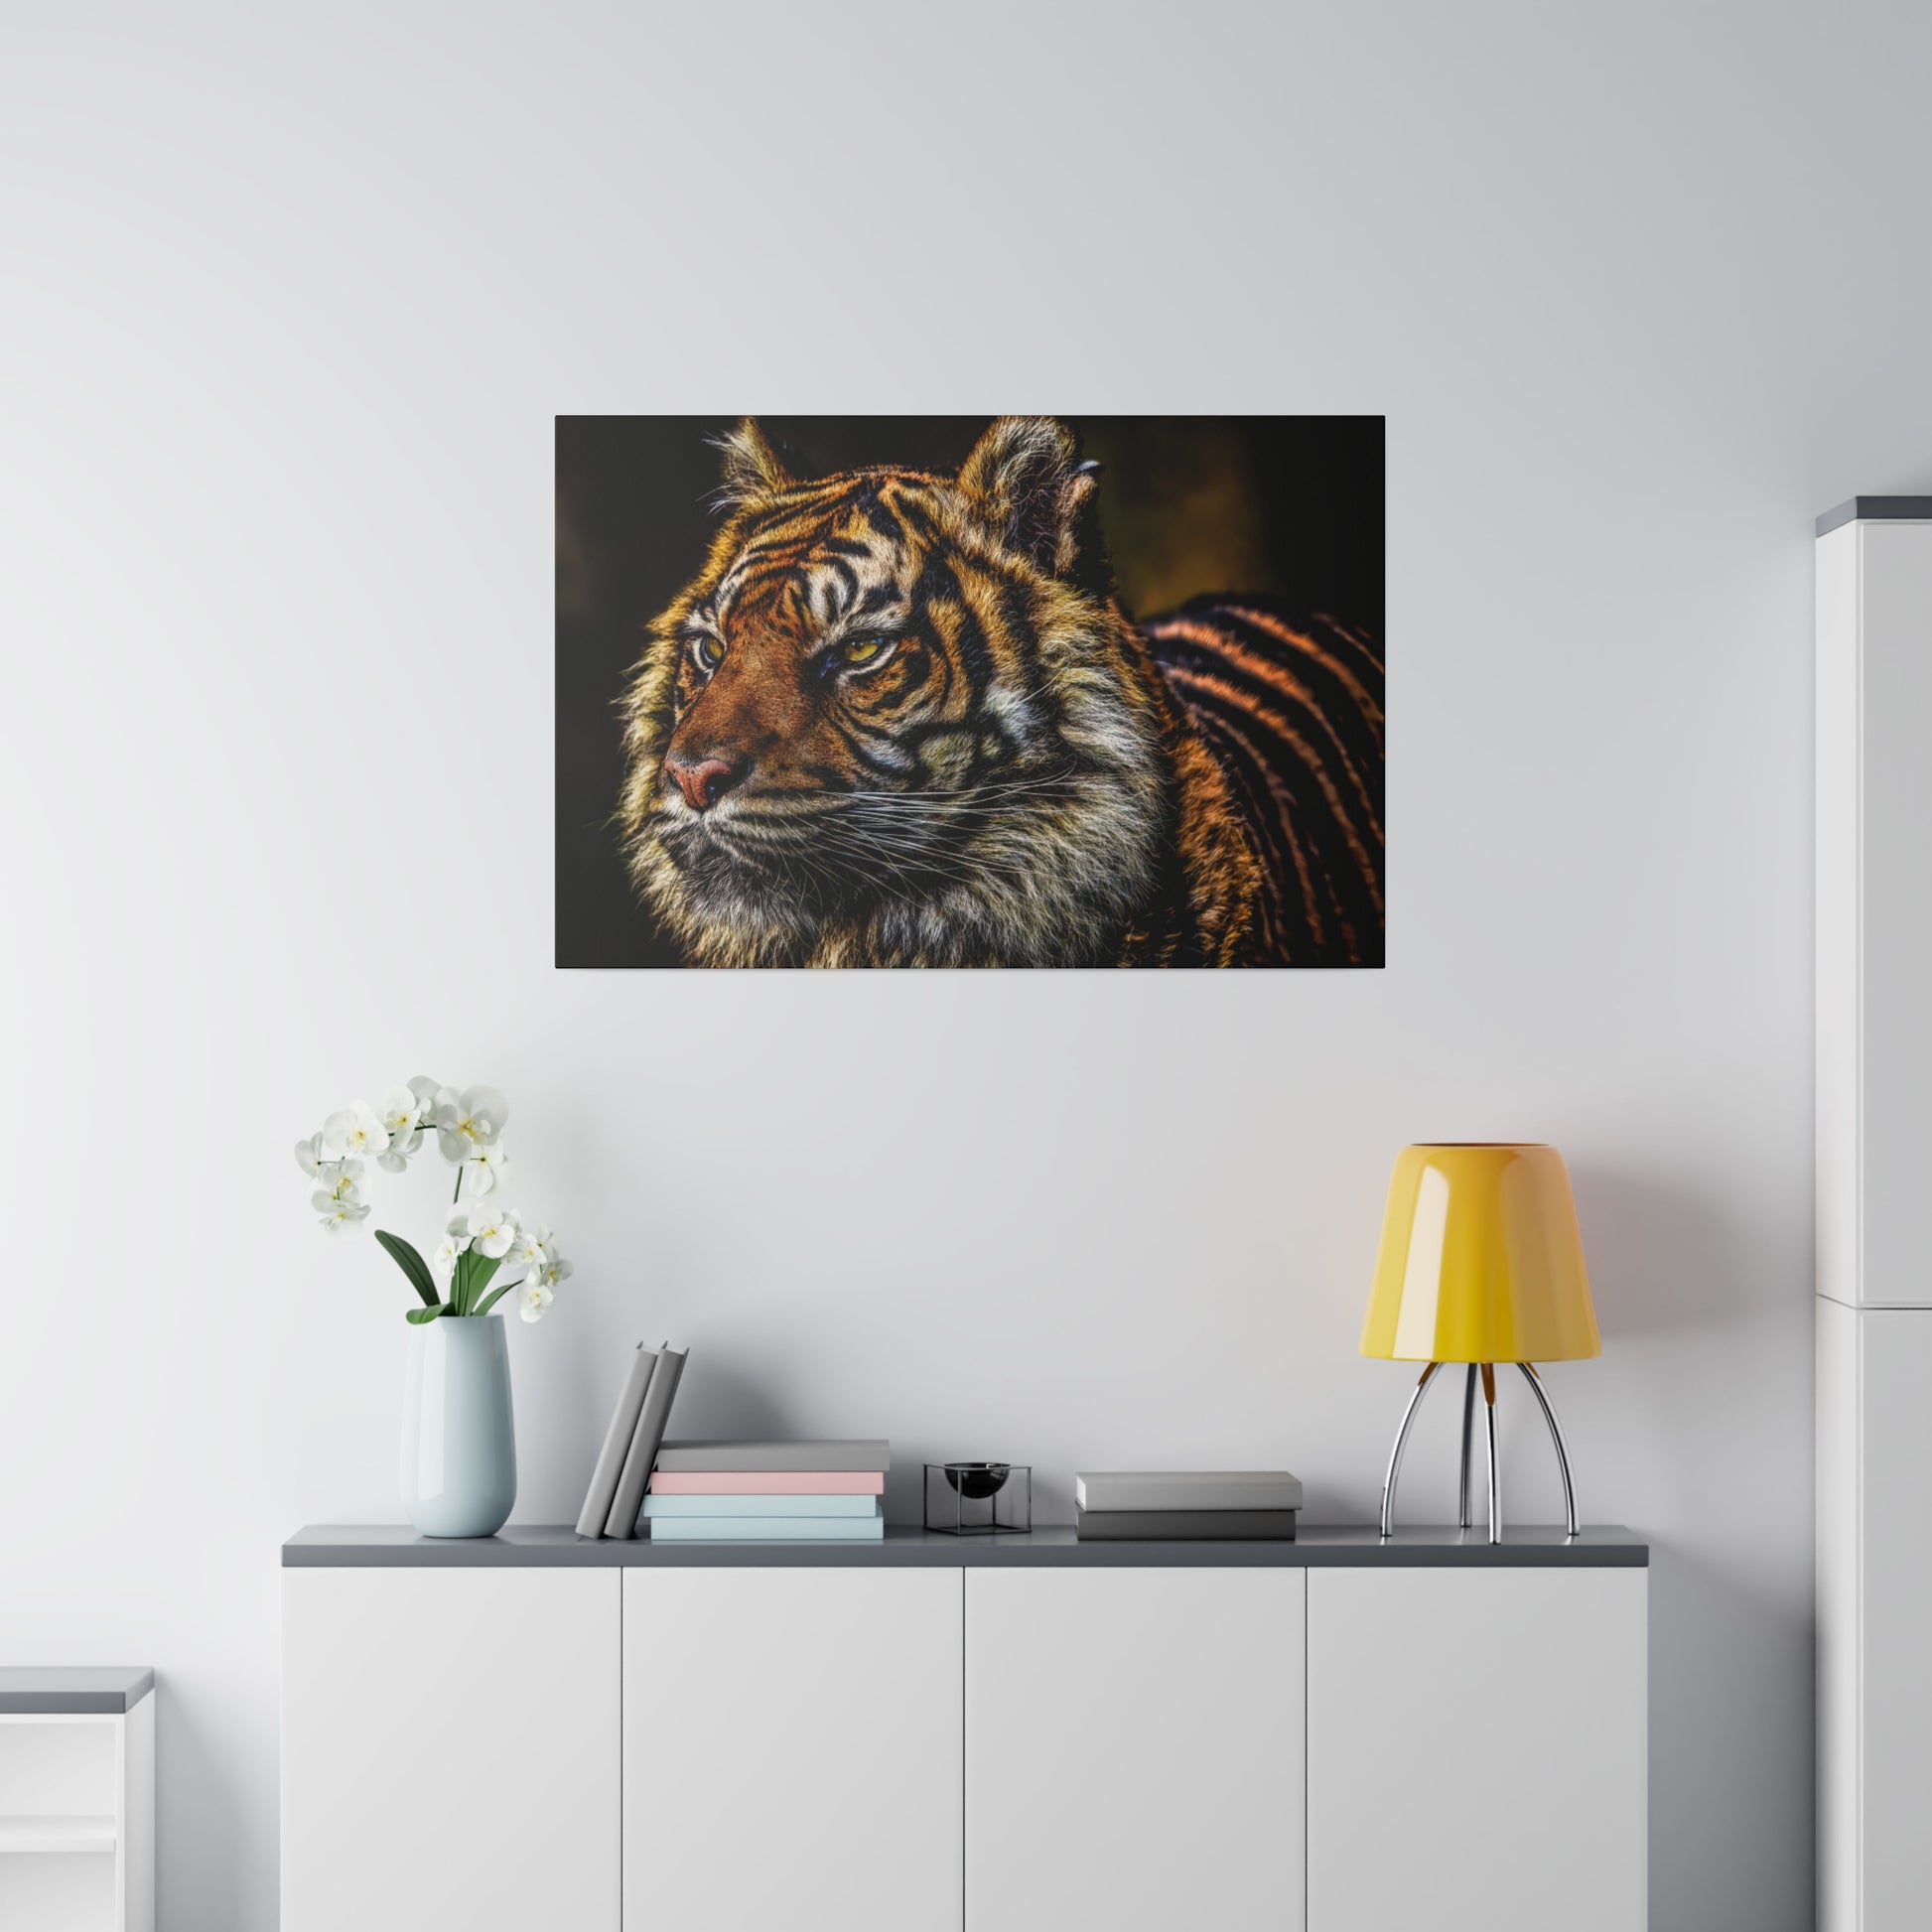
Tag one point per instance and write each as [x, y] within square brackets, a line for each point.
[1495, 1467]
[1556, 1435]
[1464, 1519]
[1401, 1438]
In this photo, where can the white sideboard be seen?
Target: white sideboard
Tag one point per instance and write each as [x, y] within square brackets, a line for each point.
[76, 1800]
[937, 1735]
[1875, 1155]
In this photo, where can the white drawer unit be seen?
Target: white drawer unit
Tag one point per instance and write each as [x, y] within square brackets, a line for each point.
[1875, 1150]
[941, 1735]
[76, 1800]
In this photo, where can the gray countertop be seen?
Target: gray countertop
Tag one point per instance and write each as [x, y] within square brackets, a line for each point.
[546, 1546]
[62, 1689]
[1877, 509]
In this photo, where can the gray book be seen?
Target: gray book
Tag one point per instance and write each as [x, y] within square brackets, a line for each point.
[1185, 1526]
[616, 1444]
[738, 1459]
[1189, 1489]
[644, 1440]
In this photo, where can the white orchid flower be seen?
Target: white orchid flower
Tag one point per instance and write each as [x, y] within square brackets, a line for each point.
[456, 1241]
[396, 1158]
[487, 1171]
[356, 1130]
[531, 1300]
[551, 1271]
[491, 1232]
[340, 1213]
[308, 1156]
[469, 1121]
[400, 1111]
[340, 1179]
[533, 1248]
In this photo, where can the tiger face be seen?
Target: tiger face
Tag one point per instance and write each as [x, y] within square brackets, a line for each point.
[887, 723]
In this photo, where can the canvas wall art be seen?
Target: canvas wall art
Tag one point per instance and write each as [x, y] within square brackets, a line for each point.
[947, 692]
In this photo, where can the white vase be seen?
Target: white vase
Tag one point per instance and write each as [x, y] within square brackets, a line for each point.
[458, 1439]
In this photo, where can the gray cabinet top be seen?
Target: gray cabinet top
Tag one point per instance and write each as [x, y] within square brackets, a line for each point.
[1877, 509]
[546, 1546]
[67, 1689]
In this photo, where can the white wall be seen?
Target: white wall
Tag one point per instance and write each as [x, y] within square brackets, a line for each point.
[289, 305]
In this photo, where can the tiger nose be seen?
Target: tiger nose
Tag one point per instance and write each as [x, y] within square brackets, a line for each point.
[704, 782]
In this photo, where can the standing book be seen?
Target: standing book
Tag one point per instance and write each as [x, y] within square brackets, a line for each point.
[616, 1444]
[644, 1441]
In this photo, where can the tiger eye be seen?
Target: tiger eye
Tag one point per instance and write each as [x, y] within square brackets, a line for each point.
[707, 653]
[861, 650]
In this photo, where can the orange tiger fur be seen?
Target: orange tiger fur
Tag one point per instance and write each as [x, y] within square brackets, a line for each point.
[892, 722]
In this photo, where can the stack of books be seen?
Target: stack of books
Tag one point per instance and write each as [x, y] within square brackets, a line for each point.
[1226, 1505]
[616, 1492]
[777, 1493]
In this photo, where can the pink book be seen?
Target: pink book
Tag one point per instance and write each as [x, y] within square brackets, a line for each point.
[770, 1483]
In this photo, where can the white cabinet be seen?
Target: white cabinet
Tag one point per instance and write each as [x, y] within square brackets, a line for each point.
[1134, 1750]
[77, 1817]
[1874, 911]
[930, 1736]
[1874, 1176]
[449, 1749]
[1476, 1749]
[792, 1750]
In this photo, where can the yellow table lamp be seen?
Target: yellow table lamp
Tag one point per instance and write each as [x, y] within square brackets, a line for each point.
[1481, 1263]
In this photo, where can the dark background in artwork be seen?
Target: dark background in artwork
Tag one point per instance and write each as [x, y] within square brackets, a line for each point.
[1287, 505]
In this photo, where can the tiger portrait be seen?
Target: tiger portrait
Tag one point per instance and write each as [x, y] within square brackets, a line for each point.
[903, 717]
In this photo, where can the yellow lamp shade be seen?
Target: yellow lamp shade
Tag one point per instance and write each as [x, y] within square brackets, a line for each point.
[1480, 1260]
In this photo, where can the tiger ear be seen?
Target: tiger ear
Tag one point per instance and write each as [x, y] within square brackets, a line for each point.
[752, 468]
[1025, 482]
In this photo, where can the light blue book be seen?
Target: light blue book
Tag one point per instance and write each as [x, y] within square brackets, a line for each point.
[767, 1529]
[662, 1506]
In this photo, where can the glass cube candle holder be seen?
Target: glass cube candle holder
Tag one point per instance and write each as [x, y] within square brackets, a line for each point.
[979, 1498]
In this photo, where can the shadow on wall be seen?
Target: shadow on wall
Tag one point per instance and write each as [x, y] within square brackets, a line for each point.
[719, 1402]
[1679, 1290]
[1661, 1260]
[197, 1809]
[1716, 1647]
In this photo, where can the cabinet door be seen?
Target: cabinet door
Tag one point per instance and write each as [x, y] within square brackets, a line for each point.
[1134, 1750]
[449, 1749]
[1893, 1040]
[792, 1750]
[1894, 1544]
[1476, 1749]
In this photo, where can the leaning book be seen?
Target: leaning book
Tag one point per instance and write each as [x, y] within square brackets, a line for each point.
[644, 1441]
[616, 1444]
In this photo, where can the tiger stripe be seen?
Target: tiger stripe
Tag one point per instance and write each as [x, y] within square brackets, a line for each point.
[1309, 761]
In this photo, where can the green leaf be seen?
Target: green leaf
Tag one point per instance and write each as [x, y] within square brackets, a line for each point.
[420, 1315]
[480, 1271]
[411, 1263]
[494, 1295]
